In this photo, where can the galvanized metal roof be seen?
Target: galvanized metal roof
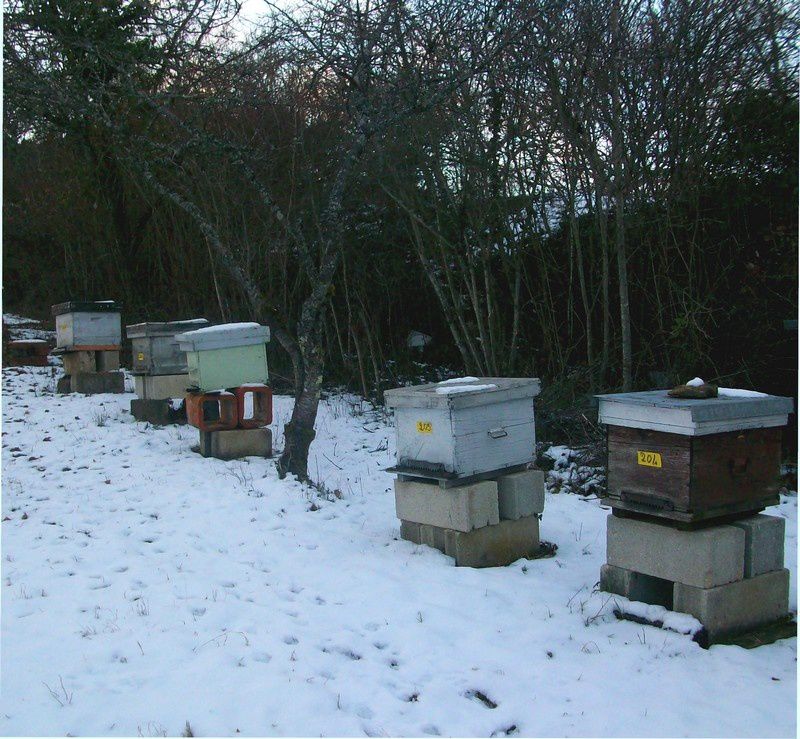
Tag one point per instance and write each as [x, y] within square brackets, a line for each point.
[656, 410]
[168, 328]
[86, 306]
[463, 392]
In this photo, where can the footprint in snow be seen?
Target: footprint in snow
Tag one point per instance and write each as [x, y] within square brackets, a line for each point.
[289, 640]
[262, 657]
[480, 696]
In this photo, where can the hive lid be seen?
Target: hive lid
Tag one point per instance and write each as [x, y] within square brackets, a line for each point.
[463, 392]
[86, 306]
[223, 336]
[732, 410]
[169, 328]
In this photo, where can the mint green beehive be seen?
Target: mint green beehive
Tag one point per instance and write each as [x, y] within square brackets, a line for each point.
[225, 356]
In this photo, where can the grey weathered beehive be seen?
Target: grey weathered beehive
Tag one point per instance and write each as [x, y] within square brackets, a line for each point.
[88, 326]
[465, 427]
[155, 349]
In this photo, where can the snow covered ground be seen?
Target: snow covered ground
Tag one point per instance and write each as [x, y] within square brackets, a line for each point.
[144, 586]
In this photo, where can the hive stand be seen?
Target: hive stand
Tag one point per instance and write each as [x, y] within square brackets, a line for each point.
[226, 422]
[236, 443]
[490, 523]
[730, 577]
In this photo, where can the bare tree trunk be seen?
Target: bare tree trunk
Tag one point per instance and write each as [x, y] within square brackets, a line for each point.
[617, 145]
[299, 432]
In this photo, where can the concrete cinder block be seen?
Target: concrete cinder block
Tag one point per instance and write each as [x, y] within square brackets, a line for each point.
[159, 387]
[90, 383]
[433, 536]
[76, 362]
[703, 558]
[494, 546]
[107, 361]
[636, 586]
[420, 533]
[763, 543]
[236, 443]
[409, 531]
[461, 508]
[727, 610]
[157, 412]
[520, 494]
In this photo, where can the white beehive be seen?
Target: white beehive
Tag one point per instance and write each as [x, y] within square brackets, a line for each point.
[88, 326]
[465, 427]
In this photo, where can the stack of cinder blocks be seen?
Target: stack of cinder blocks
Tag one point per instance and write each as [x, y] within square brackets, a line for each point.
[464, 484]
[89, 339]
[685, 480]
[484, 524]
[229, 400]
[730, 577]
[161, 376]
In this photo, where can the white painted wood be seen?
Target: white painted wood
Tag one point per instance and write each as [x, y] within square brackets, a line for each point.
[436, 447]
[425, 396]
[495, 431]
[77, 329]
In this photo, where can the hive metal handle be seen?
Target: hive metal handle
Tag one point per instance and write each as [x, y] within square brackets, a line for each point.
[497, 433]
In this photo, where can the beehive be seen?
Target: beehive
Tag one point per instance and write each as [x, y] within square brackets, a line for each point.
[88, 326]
[693, 460]
[155, 349]
[464, 428]
[226, 356]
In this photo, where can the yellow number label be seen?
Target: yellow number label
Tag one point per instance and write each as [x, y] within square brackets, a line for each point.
[648, 459]
[424, 427]
[140, 356]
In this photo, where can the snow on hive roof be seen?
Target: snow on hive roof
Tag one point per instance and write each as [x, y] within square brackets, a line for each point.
[451, 389]
[223, 336]
[223, 328]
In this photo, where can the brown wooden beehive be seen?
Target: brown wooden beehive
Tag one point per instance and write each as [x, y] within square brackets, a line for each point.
[693, 460]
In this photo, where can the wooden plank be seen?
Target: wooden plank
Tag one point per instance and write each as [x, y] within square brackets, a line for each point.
[665, 486]
[735, 467]
[689, 521]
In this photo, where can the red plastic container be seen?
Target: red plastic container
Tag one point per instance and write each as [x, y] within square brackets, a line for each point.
[254, 406]
[212, 411]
